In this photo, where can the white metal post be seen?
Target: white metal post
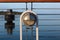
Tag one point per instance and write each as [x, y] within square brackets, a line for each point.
[36, 33]
[37, 37]
[20, 28]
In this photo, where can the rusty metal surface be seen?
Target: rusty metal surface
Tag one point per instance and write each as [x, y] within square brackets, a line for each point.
[29, 0]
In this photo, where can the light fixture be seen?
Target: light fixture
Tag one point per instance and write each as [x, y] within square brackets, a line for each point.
[29, 18]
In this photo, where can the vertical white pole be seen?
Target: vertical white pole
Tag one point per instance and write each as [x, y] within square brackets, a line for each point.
[37, 36]
[36, 33]
[20, 28]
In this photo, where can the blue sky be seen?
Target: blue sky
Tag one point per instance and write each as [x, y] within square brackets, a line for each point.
[41, 11]
[35, 5]
[23, 5]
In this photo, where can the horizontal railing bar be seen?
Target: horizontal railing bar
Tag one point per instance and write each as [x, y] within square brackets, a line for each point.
[13, 31]
[8, 37]
[48, 14]
[33, 30]
[19, 13]
[47, 25]
[47, 30]
[47, 8]
[42, 25]
[38, 25]
[42, 30]
[34, 25]
[49, 19]
[41, 19]
[40, 36]
[14, 9]
[4, 13]
[38, 19]
[32, 8]
[33, 36]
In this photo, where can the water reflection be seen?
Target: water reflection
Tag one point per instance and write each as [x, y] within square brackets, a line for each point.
[9, 27]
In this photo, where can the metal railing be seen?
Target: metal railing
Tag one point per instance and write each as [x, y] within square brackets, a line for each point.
[38, 20]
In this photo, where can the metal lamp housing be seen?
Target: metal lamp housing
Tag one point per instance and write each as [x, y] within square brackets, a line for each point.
[29, 18]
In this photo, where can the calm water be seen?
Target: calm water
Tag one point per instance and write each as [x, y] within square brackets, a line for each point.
[49, 25]
[48, 29]
[3, 32]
